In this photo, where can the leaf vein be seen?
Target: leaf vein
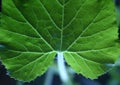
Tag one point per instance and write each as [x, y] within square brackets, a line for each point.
[34, 29]
[84, 30]
[49, 15]
[74, 17]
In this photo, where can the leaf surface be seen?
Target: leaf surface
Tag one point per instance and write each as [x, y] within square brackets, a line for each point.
[33, 31]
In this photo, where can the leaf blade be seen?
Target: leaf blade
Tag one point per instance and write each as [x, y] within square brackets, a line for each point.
[85, 31]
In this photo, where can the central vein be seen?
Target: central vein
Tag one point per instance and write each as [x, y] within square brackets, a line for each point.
[62, 26]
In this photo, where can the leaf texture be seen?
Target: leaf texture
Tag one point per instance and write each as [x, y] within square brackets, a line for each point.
[33, 31]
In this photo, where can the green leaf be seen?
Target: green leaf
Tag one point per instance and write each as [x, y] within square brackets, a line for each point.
[33, 31]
